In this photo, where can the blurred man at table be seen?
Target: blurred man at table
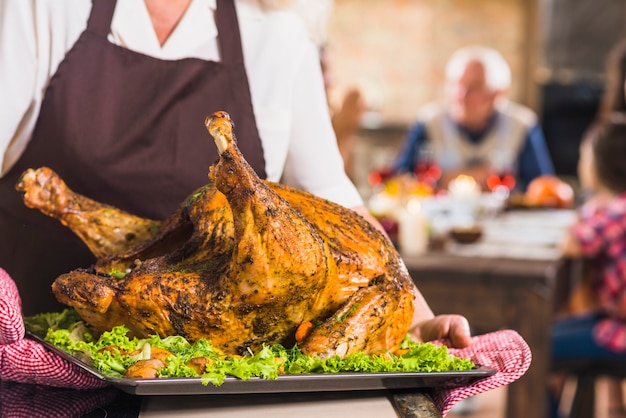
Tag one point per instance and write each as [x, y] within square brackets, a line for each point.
[476, 130]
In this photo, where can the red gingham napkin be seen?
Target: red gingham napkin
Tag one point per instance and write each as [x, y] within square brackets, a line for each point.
[506, 351]
[18, 400]
[11, 323]
[26, 361]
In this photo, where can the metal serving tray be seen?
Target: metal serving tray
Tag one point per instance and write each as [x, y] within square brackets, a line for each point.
[283, 384]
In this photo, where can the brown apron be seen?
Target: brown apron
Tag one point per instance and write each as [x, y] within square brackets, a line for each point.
[126, 129]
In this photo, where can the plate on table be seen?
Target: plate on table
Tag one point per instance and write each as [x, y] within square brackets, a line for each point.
[312, 382]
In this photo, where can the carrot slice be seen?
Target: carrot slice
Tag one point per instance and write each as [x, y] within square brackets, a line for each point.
[303, 330]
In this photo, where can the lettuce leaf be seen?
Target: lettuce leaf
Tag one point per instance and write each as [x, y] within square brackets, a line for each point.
[113, 352]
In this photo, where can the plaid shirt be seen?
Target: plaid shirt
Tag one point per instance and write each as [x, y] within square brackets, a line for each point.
[602, 236]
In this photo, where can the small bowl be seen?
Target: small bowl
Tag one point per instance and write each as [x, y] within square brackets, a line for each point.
[466, 235]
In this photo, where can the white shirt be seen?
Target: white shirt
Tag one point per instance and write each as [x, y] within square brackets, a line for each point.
[282, 65]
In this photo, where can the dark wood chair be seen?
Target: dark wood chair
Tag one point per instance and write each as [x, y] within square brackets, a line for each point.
[576, 297]
[586, 374]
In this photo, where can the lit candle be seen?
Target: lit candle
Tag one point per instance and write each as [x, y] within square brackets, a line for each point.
[413, 229]
[464, 187]
[465, 196]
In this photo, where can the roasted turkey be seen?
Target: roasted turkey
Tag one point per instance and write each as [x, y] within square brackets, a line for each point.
[243, 262]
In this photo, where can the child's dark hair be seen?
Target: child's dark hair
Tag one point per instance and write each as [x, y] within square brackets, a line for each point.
[609, 151]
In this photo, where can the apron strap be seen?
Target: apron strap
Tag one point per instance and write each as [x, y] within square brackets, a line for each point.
[231, 49]
[101, 15]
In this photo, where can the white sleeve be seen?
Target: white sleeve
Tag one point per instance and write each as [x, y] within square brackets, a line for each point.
[18, 70]
[34, 37]
[313, 160]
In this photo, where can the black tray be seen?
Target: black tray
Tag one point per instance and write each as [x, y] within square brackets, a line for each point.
[312, 382]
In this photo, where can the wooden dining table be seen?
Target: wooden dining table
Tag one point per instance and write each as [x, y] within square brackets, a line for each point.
[511, 278]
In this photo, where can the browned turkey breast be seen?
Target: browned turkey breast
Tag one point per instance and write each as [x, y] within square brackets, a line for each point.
[243, 262]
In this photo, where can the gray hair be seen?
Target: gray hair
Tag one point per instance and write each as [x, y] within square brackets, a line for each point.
[497, 70]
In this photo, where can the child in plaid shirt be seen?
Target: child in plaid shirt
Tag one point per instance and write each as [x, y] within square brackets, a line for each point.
[600, 238]
[600, 235]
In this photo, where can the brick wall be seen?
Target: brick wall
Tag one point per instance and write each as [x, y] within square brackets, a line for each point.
[394, 50]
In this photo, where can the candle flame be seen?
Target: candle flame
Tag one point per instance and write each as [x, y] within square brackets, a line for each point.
[465, 179]
[464, 185]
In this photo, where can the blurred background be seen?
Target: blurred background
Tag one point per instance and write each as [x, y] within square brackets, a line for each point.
[394, 52]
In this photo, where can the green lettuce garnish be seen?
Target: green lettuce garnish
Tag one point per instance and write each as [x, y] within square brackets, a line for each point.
[113, 352]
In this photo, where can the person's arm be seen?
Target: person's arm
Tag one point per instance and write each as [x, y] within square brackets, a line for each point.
[534, 158]
[570, 247]
[18, 71]
[346, 120]
[408, 154]
[586, 238]
[452, 328]
[34, 38]
[313, 161]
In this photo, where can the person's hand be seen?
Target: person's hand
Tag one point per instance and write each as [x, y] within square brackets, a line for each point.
[347, 118]
[453, 330]
[505, 351]
[26, 361]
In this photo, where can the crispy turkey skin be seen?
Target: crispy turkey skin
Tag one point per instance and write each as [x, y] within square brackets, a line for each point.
[243, 262]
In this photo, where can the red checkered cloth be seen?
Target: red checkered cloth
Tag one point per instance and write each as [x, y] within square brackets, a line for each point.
[506, 351]
[19, 400]
[25, 361]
